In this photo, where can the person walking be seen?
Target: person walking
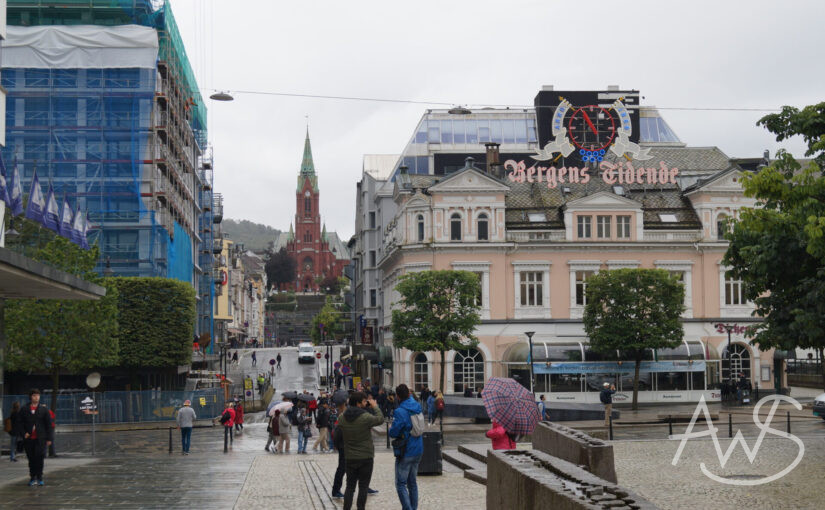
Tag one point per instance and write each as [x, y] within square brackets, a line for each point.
[431, 408]
[254, 359]
[186, 419]
[542, 408]
[500, 438]
[407, 456]
[356, 426]
[425, 395]
[439, 406]
[238, 416]
[10, 426]
[34, 425]
[322, 422]
[284, 427]
[312, 405]
[606, 396]
[227, 419]
[273, 429]
[278, 360]
[304, 422]
[235, 358]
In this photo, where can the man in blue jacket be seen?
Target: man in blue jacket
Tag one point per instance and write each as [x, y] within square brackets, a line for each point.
[407, 456]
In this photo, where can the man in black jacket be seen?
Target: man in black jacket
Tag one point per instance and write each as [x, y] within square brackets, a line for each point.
[35, 427]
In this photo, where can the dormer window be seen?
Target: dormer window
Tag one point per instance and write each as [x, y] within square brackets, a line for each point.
[483, 230]
[455, 227]
[584, 224]
[420, 222]
[721, 227]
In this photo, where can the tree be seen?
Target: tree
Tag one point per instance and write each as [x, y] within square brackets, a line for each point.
[332, 318]
[332, 284]
[632, 310]
[280, 268]
[64, 335]
[157, 322]
[777, 249]
[438, 311]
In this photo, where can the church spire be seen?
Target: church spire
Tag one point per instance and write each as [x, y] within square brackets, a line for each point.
[307, 165]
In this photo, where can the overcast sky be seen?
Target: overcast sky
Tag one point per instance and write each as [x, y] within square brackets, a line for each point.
[716, 54]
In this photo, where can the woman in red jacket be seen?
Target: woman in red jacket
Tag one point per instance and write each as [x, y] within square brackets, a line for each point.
[501, 440]
[238, 416]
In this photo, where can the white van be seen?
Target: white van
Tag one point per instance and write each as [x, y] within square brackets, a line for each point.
[306, 353]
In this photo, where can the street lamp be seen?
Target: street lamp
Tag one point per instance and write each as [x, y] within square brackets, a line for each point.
[221, 96]
[729, 328]
[530, 359]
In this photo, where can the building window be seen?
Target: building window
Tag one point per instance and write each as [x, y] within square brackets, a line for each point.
[581, 286]
[372, 258]
[721, 227]
[623, 227]
[584, 226]
[733, 290]
[455, 227]
[479, 297]
[531, 288]
[307, 206]
[483, 234]
[738, 360]
[468, 370]
[373, 298]
[372, 219]
[421, 372]
[603, 227]
[420, 222]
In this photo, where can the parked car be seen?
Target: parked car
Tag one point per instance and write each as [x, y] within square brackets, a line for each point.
[306, 353]
[819, 406]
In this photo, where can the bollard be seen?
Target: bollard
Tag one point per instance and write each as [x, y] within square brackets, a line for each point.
[610, 424]
[730, 425]
[670, 425]
[170, 439]
[789, 422]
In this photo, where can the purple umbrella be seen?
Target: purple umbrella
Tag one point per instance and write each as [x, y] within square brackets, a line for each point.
[510, 404]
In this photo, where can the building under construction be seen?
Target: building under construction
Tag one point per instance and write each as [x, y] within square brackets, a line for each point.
[103, 103]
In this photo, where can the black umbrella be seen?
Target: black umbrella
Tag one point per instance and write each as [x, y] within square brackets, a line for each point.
[340, 397]
[306, 397]
[290, 394]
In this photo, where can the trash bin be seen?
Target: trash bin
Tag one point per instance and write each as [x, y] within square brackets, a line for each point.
[431, 458]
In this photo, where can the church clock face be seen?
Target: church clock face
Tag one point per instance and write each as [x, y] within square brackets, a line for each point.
[306, 193]
[592, 129]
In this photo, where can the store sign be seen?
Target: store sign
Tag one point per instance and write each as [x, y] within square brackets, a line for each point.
[737, 329]
[366, 335]
[611, 173]
[614, 367]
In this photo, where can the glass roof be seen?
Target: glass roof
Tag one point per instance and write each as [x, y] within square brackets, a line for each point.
[654, 129]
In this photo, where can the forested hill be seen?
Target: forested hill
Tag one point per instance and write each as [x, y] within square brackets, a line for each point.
[254, 236]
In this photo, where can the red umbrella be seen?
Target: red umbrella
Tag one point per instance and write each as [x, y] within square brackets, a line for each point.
[510, 404]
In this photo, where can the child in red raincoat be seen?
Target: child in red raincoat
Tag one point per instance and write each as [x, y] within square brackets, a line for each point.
[501, 440]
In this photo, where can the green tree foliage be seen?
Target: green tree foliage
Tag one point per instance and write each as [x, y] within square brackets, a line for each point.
[332, 318]
[778, 248]
[54, 336]
[280, 268]
[631, 310]
[438, 311]
[157, 322]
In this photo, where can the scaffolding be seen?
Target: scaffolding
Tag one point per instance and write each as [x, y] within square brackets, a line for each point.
[128, 145]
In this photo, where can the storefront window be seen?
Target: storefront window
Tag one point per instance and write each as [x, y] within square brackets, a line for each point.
[669, 381]
[697, 380]
[566, 382]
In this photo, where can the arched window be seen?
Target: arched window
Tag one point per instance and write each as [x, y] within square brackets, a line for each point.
[468, 370]
[483, 233]
[721, 226]
[420, 222]
[738, 361]
[421, 372]
[455, 227]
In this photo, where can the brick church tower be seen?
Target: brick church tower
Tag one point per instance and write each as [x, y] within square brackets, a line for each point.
[309, 244]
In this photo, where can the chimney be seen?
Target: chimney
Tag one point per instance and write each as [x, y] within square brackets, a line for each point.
[612, 88]
[492, 157]
[547, 88]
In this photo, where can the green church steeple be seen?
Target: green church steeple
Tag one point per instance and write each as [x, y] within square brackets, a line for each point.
[307, 166]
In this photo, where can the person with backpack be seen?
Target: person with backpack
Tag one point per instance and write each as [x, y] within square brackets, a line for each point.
[439, 406]
[408, 446]
[10, 426]
[500, 438]
[227, 419]
[304, 423]
[606, 396]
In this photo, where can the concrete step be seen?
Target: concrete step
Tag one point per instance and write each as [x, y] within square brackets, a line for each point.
[476, 451]
[477, 475]
[461, 460]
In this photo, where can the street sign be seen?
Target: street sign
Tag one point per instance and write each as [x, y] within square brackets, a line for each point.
[272, 361]
[346, 370]
[337, 364]
[247, 384]
[318, 355]
[87, 404]
[248, 393]
[203, 401]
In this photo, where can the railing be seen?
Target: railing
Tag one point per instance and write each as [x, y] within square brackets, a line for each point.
[805, 372]
[524, 237]
[673, 236]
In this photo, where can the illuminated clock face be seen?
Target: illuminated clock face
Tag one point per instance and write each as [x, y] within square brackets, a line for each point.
[592, 129]
[306, 193]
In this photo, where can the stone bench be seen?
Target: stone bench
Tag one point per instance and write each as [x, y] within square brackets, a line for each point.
[577, 447]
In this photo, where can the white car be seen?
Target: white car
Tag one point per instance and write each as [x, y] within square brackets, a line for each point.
[819, 406]
[306, 353]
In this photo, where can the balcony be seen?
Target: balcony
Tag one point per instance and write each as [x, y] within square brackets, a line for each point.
[217, 208]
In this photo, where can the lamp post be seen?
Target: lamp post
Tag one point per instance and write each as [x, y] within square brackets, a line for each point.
[729, 328]
[530, 360]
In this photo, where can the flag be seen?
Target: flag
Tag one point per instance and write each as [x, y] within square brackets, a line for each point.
[51, 214]
[77, 228]
[65, 226]
[85, 232]
[4, 190]
[37, 204]
[15, 192]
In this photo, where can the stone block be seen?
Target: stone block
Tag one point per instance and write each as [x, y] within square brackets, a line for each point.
[577, 447]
